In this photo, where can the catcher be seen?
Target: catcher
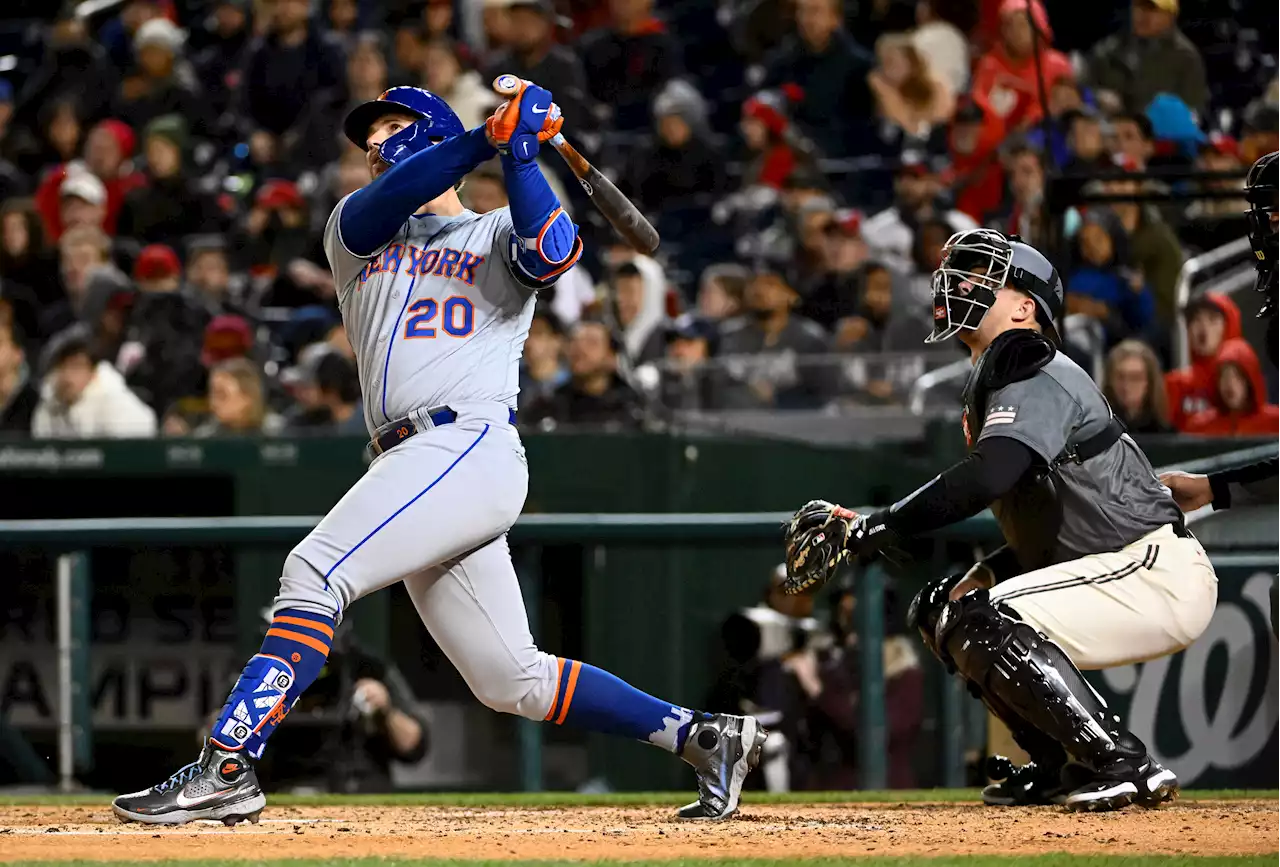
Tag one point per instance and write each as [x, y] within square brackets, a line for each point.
[1099, 569]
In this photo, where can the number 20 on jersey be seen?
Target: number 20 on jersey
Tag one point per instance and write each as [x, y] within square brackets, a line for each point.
[457, 317]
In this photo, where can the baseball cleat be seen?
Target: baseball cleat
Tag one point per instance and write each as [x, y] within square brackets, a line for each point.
[723, 750]
[1149, 785]
[1029, 785]
[218, 785]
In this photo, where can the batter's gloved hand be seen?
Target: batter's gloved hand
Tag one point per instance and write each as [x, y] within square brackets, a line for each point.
[528, 117]
[816, 540]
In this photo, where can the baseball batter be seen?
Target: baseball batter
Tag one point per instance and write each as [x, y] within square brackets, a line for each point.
[1099, 569]
[437, 301]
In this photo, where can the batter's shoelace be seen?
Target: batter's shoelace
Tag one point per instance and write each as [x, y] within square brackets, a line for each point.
[181, 777]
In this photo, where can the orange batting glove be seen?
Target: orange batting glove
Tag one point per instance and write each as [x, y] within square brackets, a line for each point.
[527, 111]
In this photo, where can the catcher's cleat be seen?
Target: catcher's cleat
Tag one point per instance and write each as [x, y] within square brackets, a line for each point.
[1146, 783]
[1029, 785]
[723, 750]
[218, 785]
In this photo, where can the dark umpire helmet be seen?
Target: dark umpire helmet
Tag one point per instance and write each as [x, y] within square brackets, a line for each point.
[980, 262]
[1260, 191]
[414, 101]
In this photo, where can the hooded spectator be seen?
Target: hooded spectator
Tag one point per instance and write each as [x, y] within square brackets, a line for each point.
[471, 99]
[683, 162]
[294, 75]
[942, 44]
[162, 82]
[18, 395]
[83, 397]
[81, 251]
[222, 53]
[1240, 405]
[890, 234]
[1134, 387]
[720, 291]
[161, 357]
[829, 71]
[237, 402]
[595, 394]
[1152, 56]
[106, 157]
[532, 54]
[640, 310]
[542, 368]
[909, 95]
[170, 206]
[1101, 286]
[1155, 251]
[630, 60]
[1212, 319]
[976, 174]
[1006, 81]
[72, 67]
[25, 261]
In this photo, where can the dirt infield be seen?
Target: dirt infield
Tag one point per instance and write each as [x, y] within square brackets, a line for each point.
[772, 831]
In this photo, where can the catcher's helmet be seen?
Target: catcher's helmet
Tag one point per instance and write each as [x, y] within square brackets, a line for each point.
[422, 104]
[979, 262]
[1260, 191]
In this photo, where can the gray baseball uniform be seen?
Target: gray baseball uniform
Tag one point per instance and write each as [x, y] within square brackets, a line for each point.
[437, 319]
[1114, 578]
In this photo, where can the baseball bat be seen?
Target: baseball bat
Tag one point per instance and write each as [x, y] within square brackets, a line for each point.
[621, 213]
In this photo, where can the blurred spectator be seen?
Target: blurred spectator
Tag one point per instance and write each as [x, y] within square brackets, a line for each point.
[909, 95]
[294, 74]
[237, 403]
[1259, 134]
[160, 358]
[343, 19]
[107, 309]
[595, 393]
[408, 53]
[1134, 138]
[1086, 146]
[1211, 319]
[835, 294]
[639, 308]
[1065, 102]
[976, 174]
[942, 44]
[1154, 249]
[629, 61]
[106, 159]
[469, 97]
[1134, 386]
[763, 347]
[1006, 80]
[720, 291]
[438, 19]
[685, 380]
[683, 162]
[542, 368]
[279, 247]
[1024, 173]
[769, 142]
[307, 412]
[496, 23]
[12, 181]
[808, 236]
[1219, 153]
[18, 395]
[890, 234]
[484, 190]
[1127, 69]
[209, 277]
[170, 206]
[532, 54]
[81, 250]
[885, 335]
[1100, 286]
[162, 82]
[830, 71]
[83, 397]
[226, 337]
[24, 259]
[119, 34]
[366, 69]
[72, 67]
[223, 50]
[1239, 402]
[60, 130]
[338, 385]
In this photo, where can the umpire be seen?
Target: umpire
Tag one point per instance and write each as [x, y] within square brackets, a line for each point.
[1099, 569]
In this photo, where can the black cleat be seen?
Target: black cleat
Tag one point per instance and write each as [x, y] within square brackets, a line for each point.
[1029, 785]
[219, 785]
[1146, 783]
[723, 749]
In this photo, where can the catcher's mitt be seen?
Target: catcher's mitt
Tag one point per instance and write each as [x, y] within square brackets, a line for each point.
[816, 540]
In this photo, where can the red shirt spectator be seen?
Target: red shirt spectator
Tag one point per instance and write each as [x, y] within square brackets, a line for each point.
[1239, 399]
[106, 154]
[1212, 319]
[1005, 82]
[976, 175]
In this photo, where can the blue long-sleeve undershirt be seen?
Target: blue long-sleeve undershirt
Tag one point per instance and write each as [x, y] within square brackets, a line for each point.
[372, 215]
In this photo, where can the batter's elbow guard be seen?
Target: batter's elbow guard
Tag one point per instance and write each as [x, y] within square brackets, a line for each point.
[555, 249]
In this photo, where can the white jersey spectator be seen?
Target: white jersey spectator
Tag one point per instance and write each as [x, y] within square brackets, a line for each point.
[83, 400]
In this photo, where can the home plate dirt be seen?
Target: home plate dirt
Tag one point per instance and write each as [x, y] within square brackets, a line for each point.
[775, 831]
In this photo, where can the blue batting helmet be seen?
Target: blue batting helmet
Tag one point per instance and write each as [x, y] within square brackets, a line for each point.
[422, 104]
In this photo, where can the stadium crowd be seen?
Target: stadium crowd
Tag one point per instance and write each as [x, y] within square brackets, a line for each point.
[166, 168]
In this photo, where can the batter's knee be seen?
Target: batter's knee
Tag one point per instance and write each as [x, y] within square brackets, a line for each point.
[524, 688]
[303, 587]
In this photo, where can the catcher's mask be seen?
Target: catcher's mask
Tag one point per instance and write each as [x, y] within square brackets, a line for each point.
[1260, 191]
[978, 263]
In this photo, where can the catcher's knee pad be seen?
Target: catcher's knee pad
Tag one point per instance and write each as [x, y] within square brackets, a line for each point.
[926, 608]
[1029, 675]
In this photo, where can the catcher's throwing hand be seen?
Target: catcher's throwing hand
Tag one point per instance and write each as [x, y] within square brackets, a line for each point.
[525, 120]
[816, 544]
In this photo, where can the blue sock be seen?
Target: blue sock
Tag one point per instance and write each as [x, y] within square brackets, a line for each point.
[595, 700]
[292, 656]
